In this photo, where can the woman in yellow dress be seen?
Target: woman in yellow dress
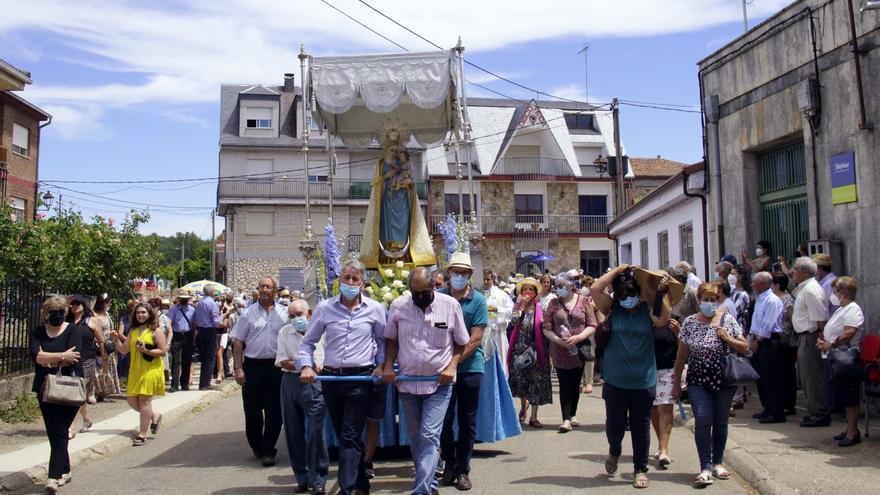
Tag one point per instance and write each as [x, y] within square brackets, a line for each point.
[146, 376]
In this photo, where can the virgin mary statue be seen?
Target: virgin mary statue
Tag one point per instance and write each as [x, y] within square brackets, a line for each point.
[395, 229]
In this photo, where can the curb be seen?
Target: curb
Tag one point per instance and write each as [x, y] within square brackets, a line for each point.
[39, 473]
[750, 470]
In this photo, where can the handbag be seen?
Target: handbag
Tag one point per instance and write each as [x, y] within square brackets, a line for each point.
[526, 359]
[64, 390]
[846, 365]
[738, 370]
[585, 348]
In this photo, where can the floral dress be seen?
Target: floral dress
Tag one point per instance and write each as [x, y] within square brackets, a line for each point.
[108, 383]
[580, 317]
[533, 383]
[707, 353]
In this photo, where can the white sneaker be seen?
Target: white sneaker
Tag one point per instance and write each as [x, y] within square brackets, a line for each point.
[65, 479]
[52, 485]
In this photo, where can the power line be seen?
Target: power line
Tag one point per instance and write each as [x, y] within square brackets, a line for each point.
[377, 33]
[661, 108]
[660, 104]
[178, 207]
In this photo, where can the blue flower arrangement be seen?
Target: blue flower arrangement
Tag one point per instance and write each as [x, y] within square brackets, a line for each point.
[332, 254]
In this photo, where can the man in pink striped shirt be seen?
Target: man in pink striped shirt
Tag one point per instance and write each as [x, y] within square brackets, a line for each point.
[426, 334]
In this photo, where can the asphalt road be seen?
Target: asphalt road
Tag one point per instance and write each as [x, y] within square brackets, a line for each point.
[207, 454]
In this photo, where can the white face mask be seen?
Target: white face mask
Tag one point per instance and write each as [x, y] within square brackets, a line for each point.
[759, 252]
[835, 301]
[731, 279]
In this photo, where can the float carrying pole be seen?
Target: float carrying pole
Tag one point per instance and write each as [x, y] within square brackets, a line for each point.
[372, 378]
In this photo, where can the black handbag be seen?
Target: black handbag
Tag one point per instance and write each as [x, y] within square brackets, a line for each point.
[846, 365]
[738, 370]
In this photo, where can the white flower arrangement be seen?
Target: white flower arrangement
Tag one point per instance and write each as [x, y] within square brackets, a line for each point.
[389, 272]
[392, 283]
[399, 264]
[397, 284]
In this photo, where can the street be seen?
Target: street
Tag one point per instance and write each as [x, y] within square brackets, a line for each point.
[207, 454]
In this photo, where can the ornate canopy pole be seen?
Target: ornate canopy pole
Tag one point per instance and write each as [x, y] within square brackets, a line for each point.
[474, 230]
[307, 244]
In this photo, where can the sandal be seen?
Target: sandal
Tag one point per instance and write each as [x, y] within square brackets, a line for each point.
[663, 461]
[720, 473]
[611, 465]
[565, 428]
[534, 423]
[85, 427]
[154, 427]
[703, 479]
[575, 423]
[138, 441]
[641, 480]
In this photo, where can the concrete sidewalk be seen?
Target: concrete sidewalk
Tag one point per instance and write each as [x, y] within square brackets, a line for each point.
[29, 464]
[785, 459]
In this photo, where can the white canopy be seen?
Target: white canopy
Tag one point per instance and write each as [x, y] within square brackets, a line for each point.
[356, 95]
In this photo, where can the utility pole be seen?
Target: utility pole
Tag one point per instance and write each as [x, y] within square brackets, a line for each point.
[745, 17]
[586, 77]
[182, 247]
[618, 179]
[213, 248]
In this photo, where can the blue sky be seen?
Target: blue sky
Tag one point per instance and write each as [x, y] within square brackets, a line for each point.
[134, 90]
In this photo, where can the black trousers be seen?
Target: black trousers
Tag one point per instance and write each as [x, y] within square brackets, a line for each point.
[57, 420]
[348, 404]
[788, 375]
[261, 395]
[181, 359]
[569, 391]
[466, 396]
[207, 342]
[770, 385]
[621, 403]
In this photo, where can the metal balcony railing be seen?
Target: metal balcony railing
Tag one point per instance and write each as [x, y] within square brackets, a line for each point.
[533, 165]
[535, 225]
[291, 188]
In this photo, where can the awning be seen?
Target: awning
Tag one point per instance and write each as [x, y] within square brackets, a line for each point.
[356, 95]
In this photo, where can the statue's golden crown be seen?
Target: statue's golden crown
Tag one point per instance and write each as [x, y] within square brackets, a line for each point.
[387, 133]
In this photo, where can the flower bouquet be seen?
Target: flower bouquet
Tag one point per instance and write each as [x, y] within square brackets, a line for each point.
[393, 282]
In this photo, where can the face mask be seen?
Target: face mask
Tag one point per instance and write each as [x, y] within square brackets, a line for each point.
[349, 291]
[835, 301]
[562, 291]
[423, 299]
[300, 323]
[731, 279]
[459, 282]
[759, 252]
[629, 302]
[716, 276]
[165, 312]
[56, 318]
[708, 309]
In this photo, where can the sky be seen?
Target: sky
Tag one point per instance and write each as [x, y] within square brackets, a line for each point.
[134, 87]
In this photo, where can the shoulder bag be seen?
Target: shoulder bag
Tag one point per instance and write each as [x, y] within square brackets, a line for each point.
[64, 390]
[846, 365]
[585, 348]
[738, 369]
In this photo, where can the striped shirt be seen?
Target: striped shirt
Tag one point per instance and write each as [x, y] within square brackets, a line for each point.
[258, 329]
[425, 338]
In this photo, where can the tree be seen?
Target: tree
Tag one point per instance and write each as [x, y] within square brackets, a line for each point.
[197, 257]
[65, 253]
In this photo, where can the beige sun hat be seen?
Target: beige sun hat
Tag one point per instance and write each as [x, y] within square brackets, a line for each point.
[461, 260]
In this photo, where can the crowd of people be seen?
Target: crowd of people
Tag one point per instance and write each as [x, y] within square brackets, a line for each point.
[654, 338]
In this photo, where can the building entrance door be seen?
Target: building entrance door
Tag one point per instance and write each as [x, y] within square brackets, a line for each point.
[782, 189]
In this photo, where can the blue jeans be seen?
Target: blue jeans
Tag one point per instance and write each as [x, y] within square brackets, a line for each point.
[424, 420]
[303, 412]
[711, 410]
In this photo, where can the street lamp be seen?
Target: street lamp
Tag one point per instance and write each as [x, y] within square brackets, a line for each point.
[601, 165]
[48, 200]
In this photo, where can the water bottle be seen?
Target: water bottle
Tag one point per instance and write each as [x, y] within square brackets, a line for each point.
[566, 333]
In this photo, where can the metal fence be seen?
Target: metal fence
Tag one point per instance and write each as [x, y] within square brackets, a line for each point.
[19, 314]
[536, 225]
[292, 188]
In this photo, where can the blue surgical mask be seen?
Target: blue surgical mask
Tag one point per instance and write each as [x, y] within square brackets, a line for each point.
[629, 302]
[349, 292]
[708, 309]
[300, 323]
[562, 291]
[459, 282]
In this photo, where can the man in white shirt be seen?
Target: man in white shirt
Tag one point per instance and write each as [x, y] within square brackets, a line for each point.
[302, 404]
[692, 279]
[808, 319]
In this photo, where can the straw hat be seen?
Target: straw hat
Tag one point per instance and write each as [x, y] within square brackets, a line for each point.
[183, 294]
[461, 260]
[649, 280]
[528, 281]
[166, 302]
[822, 259]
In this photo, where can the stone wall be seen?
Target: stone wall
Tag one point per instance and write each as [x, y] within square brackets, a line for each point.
[438, 199]
[562, 198]
[496, 198]
[567, 253]
[244, 273]
[498, 257]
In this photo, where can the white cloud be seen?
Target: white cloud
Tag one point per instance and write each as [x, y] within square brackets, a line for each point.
[80, 121]
[187, 49]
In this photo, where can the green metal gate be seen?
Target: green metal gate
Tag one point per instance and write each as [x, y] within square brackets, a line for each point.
[782, 189]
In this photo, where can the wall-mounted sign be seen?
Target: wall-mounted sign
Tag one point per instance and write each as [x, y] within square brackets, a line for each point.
[843, 178]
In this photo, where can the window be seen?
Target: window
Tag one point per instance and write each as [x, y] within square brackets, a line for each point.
[313, 123]
[595, 263]
[260, 169]
[451, 201]
[20, 138]
[580, 122]
[18, 209]
[593, 205]
[317, 178]
[259, 118]
[643, 253]
[686, 241]
[663, 249]
[626, 251]
[260, 223]
[529, 208]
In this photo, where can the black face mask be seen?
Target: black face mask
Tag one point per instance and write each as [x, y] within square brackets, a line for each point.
[423, 298]
[56, 318]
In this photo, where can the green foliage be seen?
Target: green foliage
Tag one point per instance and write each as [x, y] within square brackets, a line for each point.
[66, 253]
[25, 410]
[197, 257]
[392, 283]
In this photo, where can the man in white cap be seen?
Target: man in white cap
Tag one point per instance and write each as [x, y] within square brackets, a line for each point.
[466, 390]
[182, 317]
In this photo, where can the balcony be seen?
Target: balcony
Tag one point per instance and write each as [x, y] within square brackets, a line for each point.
[232, 190]
[533, 165]
[536, 225]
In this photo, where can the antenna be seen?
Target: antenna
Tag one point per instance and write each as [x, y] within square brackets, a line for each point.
[584, 50]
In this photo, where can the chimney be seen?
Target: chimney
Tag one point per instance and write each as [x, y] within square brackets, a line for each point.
[288, 83]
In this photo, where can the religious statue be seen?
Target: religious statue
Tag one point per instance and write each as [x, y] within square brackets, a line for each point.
[395, 229]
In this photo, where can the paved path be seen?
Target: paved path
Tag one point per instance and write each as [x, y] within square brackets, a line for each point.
[207, 454]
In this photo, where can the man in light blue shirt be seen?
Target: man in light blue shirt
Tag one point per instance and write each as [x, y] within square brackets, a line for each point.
[353, 327]
[767, 346]
[207, 320]
[182, 317]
